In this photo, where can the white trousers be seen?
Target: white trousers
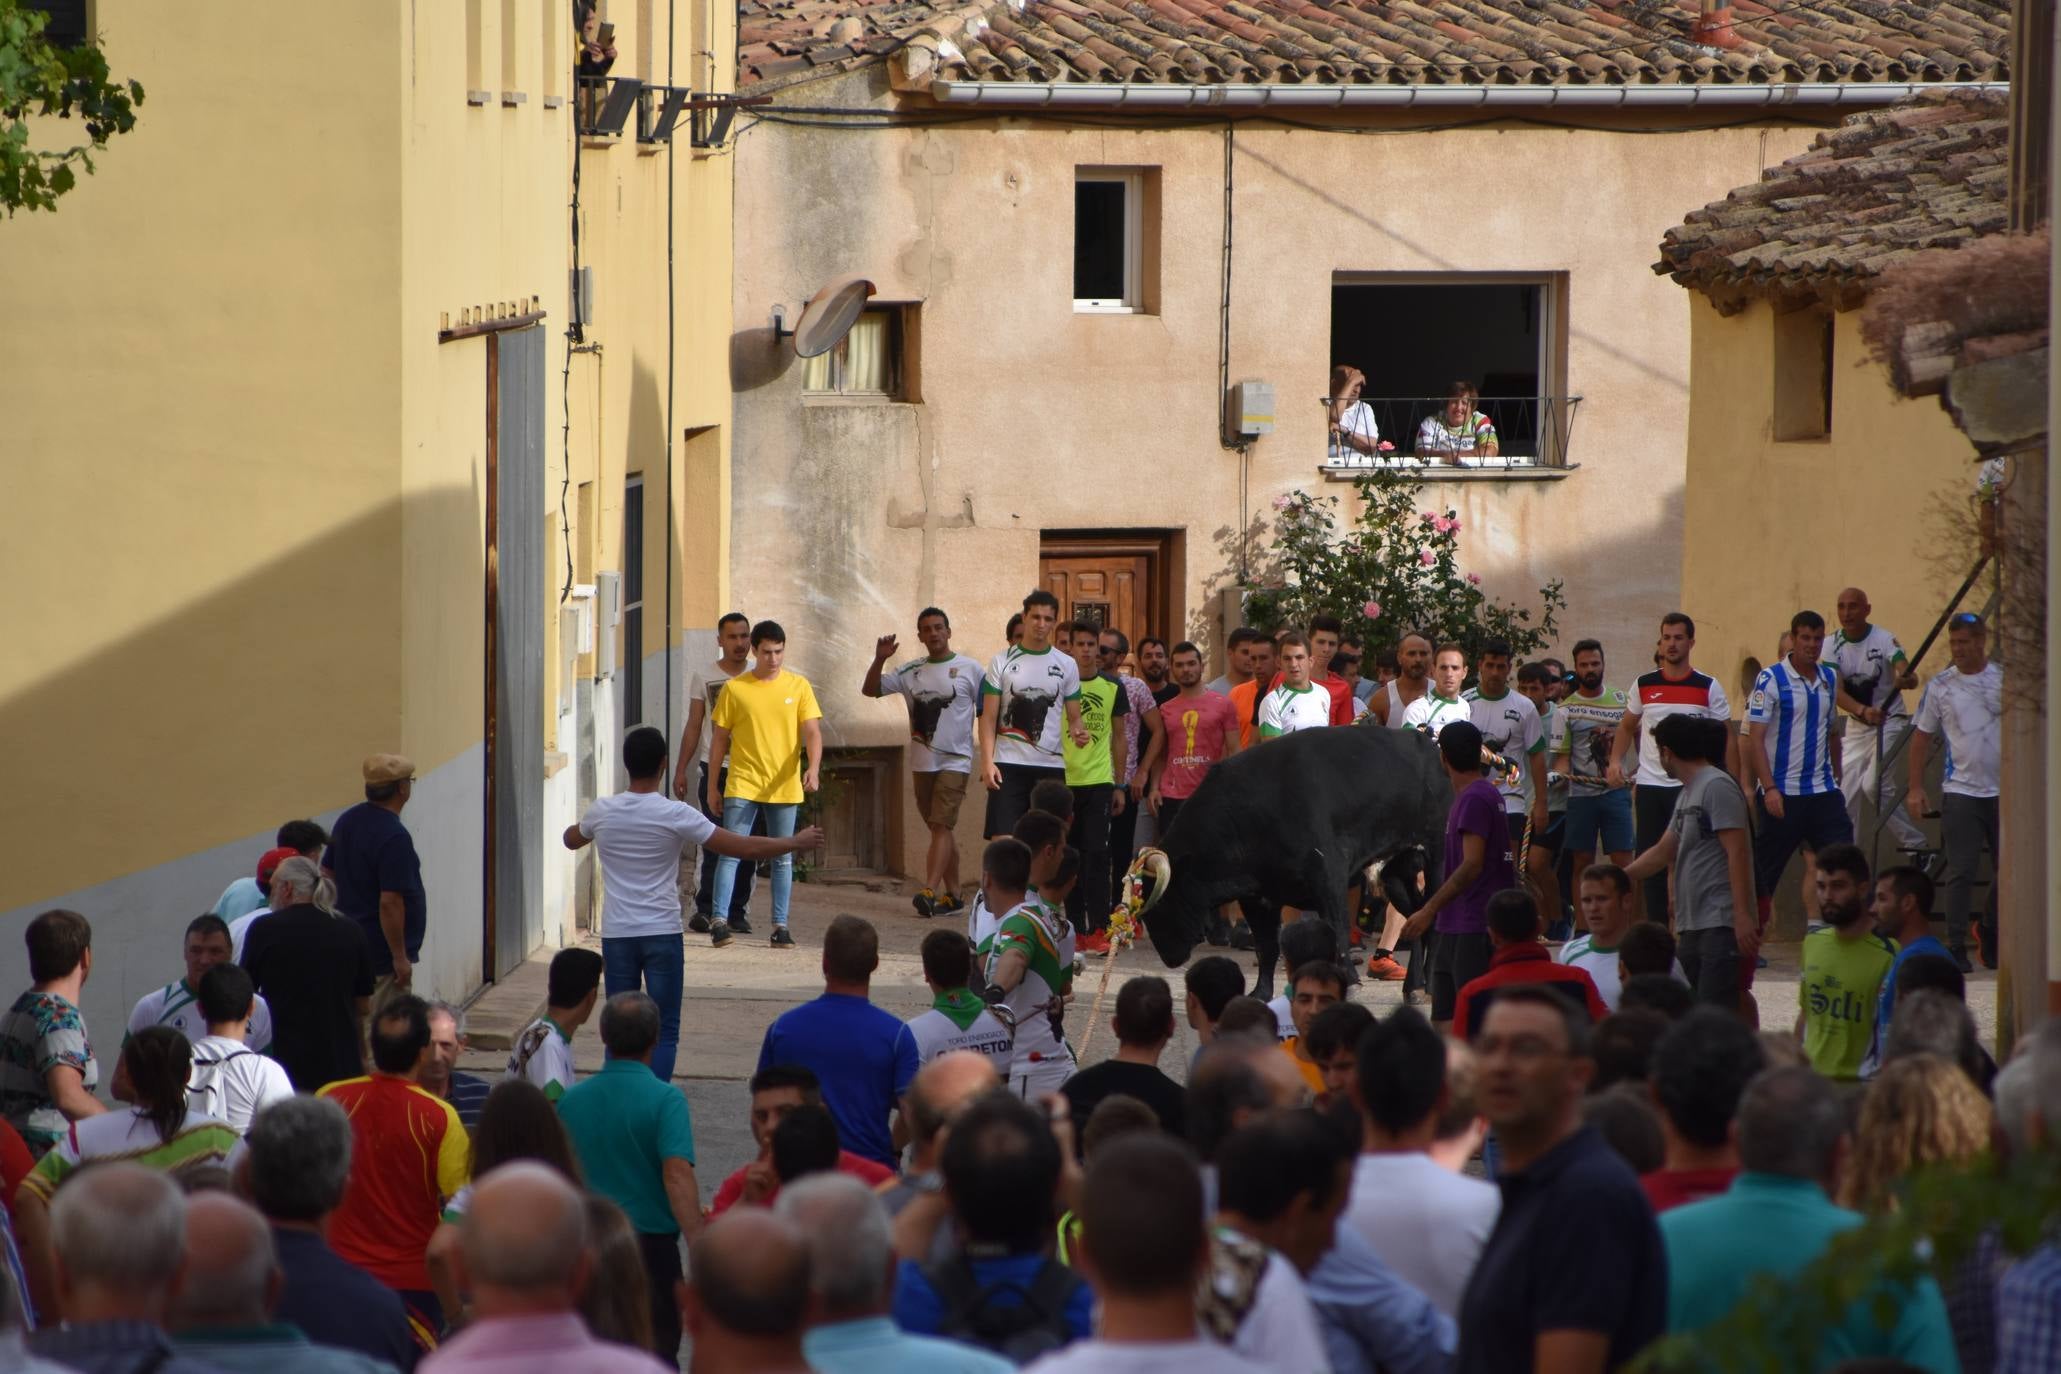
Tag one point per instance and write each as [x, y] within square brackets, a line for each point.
[1857, 779]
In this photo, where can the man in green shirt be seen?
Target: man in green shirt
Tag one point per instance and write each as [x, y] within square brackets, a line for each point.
[1094, 761]
[1776, 1220]
[1843, 968]
[635, 1140]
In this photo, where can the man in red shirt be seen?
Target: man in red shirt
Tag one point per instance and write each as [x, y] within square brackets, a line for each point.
[1700, 1071]
[1513, 928]
[409, 1154]
[776, 1091]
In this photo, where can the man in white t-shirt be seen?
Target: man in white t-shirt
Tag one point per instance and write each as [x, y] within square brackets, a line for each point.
[1608, 912]
[1268, 1237]
[1296, 704]
[1427, 1220]
[1441, 706]
[958, 1019]
[1145, 1248]
[178, 1004]
[1673, 688]
[942, 690]
[1873, 670]
[1030, 693]
[639, 835]
[1966, 705]
[733, 633]
[543, 1052]
[231, 1081]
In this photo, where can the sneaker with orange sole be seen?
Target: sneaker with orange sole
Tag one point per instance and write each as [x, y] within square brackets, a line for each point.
[1382, 969]
[1094, 942]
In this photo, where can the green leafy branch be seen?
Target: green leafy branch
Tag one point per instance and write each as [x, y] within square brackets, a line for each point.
[38, 78]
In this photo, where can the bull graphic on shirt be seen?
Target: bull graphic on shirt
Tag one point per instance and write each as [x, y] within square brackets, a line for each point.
[925, 710]
[1592, 751]
[1861, 687]
[1024, 715]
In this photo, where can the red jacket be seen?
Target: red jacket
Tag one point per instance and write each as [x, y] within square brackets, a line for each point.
[1529, 962]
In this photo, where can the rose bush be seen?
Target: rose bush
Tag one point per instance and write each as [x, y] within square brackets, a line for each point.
[1394, 569]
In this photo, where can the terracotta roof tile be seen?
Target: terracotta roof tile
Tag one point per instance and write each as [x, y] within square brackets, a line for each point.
[1928, 173]
[1399, 42]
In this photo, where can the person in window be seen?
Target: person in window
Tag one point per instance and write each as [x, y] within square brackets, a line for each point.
[1459, 433]
[1355, 437]
[597, 54]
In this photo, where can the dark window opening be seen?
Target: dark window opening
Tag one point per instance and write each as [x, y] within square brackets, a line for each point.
[1102, 251]
[1803, 374]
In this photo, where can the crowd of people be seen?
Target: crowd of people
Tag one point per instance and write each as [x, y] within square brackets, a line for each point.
[1582, 1144]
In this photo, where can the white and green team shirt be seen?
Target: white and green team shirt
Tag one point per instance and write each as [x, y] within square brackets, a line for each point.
[1434, 713]
[1509, 726]
[543, 1055]
[1030, 720]
[1042, 935]
[1600, 962]
[944, 702]
[1288, 709]
[1868, 669]
[958, 1020]
[177, 1005]
[1585, 729]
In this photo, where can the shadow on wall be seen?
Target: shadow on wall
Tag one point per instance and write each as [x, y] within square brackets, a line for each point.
[252, 704]
[757, 358]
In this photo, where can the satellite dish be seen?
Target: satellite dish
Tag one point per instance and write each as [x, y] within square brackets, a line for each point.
[830, 315]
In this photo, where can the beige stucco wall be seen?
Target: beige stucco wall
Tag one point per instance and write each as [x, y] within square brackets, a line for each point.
[1034, 417]
[1772, 528]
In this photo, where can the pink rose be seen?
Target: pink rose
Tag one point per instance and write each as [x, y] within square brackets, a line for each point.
[1372, 610]
[1281, 503]
[1474, 579]
[1426, 557]
[1384, 447]
[1429, 517]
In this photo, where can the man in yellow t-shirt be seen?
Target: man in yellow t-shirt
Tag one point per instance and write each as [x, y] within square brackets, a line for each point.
[763, 722]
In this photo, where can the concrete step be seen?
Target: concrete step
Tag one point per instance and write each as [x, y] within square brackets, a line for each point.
[495, 1017]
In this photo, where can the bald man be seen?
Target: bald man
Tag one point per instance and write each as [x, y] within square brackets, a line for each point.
[1873, 670]
[223, 1313]
[915, 1202]
[748, 1301]
[526, 1257]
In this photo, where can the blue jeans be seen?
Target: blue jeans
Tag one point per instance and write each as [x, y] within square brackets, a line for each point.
[738, 815]
[651, 964]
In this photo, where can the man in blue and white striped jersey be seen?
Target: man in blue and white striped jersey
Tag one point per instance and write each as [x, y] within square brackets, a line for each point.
[1789, 725]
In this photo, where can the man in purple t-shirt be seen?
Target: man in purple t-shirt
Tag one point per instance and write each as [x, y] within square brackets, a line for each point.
[1477, 865]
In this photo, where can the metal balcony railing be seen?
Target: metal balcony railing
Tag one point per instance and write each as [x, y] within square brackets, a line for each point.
[1501, 432]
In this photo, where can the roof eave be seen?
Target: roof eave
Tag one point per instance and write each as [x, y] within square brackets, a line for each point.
[1157, 96]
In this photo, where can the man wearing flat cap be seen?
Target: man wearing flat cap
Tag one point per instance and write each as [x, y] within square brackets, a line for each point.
[379, 878]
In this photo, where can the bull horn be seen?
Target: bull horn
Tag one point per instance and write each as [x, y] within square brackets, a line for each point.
[1155, 862]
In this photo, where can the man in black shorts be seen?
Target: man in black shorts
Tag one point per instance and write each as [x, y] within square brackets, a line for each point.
[1030, 690]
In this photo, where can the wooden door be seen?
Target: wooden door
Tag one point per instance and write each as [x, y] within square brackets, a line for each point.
[1111, 587]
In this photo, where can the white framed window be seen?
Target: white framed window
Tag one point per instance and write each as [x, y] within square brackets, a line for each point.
[1108, 242]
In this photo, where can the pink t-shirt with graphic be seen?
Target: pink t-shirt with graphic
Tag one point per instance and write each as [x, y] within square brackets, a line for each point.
[1195, 729]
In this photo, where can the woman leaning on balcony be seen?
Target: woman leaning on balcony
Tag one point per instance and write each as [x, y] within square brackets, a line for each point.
[1355, 437]
[1459, 433]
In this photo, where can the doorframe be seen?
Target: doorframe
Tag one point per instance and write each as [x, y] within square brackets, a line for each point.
[1165, 552]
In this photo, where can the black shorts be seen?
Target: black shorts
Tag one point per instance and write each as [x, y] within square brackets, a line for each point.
[1547, 839]
[1163, 824]
[1458, 960]
[1008, 803]
[1811, 823]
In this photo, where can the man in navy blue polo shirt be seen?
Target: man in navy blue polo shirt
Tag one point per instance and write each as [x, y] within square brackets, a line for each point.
[1574, 1277]
[862, 1056]
[378, 876]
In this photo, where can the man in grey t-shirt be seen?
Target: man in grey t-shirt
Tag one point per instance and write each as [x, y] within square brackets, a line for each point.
[1717, 928]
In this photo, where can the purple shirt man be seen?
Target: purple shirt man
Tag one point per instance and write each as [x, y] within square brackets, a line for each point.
[1478, 810]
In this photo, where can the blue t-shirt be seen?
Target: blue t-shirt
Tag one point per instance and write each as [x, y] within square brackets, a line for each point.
[920, 1311]
[1478, 810]
[1924, 947]
[864, 1058]
[371, 852]
[625, 1123]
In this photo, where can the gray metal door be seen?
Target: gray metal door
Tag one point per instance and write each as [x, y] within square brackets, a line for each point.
[518, 667]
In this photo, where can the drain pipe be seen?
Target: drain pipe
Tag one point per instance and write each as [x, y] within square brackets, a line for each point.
[1713, 27]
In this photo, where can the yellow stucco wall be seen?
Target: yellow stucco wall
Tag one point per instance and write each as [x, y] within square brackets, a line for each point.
[1770, 528]
[204, 426]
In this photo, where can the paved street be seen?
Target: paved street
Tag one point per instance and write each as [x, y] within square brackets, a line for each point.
[734, 993]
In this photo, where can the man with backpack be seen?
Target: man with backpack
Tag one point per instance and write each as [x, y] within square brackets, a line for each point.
[231, 1081]
[1003, 1291]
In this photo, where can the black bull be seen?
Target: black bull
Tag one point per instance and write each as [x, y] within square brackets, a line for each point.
[1293, 822]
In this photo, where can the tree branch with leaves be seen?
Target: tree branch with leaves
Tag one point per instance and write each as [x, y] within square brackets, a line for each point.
[42, 82]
